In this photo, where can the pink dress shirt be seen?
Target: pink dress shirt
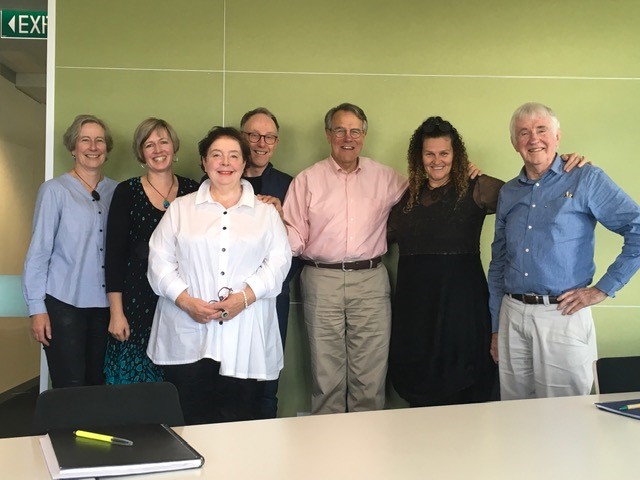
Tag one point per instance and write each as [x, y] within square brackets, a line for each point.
[334, 216]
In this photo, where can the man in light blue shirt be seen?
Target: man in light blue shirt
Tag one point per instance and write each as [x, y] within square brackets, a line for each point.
[542, 263]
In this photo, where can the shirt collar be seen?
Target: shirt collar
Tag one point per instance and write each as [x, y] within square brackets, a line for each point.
[247, 198]
[337, 168]
[556, 168]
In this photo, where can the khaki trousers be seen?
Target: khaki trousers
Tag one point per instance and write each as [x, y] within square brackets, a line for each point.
[348, 321]
[544, 353]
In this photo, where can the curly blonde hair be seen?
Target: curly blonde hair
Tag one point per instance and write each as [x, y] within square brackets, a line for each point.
[436, 127]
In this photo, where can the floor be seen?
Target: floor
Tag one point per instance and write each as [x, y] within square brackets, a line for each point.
[16, 409]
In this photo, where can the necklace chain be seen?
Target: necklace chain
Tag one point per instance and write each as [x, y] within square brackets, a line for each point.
[94, 193]
[166, 202]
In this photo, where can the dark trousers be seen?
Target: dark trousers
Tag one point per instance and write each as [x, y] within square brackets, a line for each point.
[208, 397]
[79, 340]
[268, 403]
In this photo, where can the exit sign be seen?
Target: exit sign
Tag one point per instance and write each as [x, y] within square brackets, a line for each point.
[23, 24]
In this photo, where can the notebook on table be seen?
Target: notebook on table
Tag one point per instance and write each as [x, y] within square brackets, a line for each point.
[614, 407]
[156, 448]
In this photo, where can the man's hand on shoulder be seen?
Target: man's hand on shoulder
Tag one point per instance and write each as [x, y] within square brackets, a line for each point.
[574, 160]
[574, 300]
[474, 171]
[275, 201]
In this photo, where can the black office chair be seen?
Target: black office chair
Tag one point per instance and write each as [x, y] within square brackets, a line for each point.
[104, 405]
[617, 374]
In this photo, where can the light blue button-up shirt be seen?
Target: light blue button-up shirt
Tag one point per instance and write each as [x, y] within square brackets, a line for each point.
[66, 254]
[544, 237]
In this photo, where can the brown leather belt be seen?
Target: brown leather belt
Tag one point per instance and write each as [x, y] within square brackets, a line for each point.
[531, 299]
[346, 266]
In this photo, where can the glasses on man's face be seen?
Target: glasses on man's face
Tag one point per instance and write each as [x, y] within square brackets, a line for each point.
[342, 132]
[437, 124]
[269, 138]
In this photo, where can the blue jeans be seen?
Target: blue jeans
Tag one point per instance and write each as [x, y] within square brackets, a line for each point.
[79, 340]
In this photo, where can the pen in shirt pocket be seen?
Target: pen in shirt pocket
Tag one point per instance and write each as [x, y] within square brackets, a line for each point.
[568, 194]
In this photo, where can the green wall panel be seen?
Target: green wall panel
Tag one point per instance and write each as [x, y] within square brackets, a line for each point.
[139, 34]
[492, 37]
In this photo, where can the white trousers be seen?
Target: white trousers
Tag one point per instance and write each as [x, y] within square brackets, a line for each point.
[544, 353]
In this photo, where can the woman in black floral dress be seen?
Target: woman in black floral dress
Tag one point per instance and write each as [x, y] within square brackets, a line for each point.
[138, 205]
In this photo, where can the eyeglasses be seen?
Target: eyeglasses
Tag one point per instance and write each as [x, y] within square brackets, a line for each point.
[437, 123]
[269, 138]
[223, 294]
[342, 132]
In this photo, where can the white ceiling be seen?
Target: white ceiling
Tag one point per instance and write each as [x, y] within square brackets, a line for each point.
[24, 61]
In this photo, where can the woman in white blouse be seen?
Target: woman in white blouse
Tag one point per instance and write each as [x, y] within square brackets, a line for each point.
[217, 261]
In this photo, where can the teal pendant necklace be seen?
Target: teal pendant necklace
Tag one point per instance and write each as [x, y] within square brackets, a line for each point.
[166, 202]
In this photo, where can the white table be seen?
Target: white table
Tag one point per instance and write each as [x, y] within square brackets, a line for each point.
[559, 438]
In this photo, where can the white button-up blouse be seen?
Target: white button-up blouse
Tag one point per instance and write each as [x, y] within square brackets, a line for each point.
[201, 246]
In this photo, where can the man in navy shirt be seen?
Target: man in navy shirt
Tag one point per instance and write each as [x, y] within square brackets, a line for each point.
[261, 129]
[542, 263]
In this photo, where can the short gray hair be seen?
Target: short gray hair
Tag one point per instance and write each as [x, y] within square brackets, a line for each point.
[346, 107]
[531, 110]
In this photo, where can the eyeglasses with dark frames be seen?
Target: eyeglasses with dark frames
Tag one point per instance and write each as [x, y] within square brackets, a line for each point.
[269, 138]
[342, 132]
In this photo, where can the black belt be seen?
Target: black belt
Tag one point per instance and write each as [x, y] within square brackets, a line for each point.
[531, 299]
[346, 266]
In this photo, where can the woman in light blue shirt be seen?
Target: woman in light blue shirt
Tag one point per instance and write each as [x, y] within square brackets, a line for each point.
[63, 281]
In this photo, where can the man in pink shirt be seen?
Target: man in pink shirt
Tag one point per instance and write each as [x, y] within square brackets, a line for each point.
[336, 214]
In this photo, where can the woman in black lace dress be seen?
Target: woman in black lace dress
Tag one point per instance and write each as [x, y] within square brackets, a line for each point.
[441, 330]
[138, 205]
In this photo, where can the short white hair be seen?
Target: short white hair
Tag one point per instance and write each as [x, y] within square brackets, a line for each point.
[532, 110]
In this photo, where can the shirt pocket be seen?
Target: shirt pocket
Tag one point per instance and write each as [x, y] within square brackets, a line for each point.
[564, 218]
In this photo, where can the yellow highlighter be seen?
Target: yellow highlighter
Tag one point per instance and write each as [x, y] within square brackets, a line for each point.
[103, 438]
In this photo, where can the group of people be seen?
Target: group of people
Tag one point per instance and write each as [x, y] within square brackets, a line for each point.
[199, 296]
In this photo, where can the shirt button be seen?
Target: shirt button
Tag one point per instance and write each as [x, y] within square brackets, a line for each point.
[221, 273]
[101, 249]
[100, 213]
[224, 249]
[526, 274]
[224, 228]
[526, 250]
[224, 213]
[529, 227]
[102, 286]
[101, 230]
[537, 184]
[533, 206]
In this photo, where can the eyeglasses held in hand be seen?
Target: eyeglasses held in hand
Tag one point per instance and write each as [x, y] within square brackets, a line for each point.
[223, 294]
